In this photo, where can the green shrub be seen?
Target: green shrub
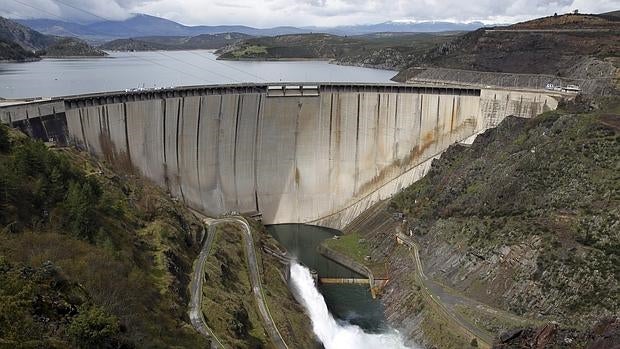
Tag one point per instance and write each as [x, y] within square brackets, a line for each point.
[5, 142]
[80, 206]
[94, 328]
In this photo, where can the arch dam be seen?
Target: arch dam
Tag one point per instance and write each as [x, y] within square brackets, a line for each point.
[318, 154]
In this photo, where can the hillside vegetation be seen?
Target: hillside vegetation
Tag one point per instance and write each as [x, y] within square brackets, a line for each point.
[228, 304]
[526, 219]
[579, 47]
[10, 51]
[71, 47]
[28, 39]
[33, 44]
[170, 43]
[386, 50]
[89, 258]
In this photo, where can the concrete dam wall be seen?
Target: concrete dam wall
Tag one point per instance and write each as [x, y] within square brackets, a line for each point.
[312, 154]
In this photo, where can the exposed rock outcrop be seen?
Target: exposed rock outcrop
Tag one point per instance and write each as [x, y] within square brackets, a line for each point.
[525, 221]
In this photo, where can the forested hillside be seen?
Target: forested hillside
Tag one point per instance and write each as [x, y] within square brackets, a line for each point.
[89, 258]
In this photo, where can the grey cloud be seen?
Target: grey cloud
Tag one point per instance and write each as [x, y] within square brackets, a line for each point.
[82, 10]
[304, 12]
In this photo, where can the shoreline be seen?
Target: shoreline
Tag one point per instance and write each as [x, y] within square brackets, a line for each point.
[75, 57]
[349, 263]
[275, 59]
[26, 60]
[40, 58]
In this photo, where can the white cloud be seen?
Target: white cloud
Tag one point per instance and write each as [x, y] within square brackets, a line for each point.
[265, 13]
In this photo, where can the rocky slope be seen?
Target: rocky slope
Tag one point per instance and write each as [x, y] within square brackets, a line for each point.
[604, 335]
[571, 46]
[71, 47]
[525, 220]
[25, 37]
[34, 44]
[10, 51]
[170, 43]
[516, 231]
[382, 50]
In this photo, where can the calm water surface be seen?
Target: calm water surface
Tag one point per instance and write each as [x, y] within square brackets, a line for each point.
[126, 70]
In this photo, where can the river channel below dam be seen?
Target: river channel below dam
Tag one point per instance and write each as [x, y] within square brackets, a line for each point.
[351, 315]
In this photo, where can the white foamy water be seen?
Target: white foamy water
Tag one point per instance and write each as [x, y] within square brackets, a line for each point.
[334, 334]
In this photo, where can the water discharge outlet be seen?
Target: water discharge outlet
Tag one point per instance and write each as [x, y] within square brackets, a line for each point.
[332, 333]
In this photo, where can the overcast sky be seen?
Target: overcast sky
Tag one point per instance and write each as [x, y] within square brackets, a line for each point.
[266, 13]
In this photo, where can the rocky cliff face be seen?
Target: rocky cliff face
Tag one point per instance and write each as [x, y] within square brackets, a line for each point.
[525, 220]
[604, 335]
[569, 46]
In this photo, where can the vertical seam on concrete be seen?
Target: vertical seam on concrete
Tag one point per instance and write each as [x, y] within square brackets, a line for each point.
[198, 150]
[331, 115]
[330, 155]
[125, 121]
[55, 117]
[387, 123]
[376, 141]
[47, 136]
[108, 135]
[420, 122]
[437, 122]
[452, 114]
[239, 107]
[319, 153]
[82, 128]
[107, 118]
[100, 120]
[357, 143]
[164, 141]
[259, 143]
[396, 133]
[127, 134]
[296, 133]
[180, 112]
[217, 142]
[28, 125]
[255, 155]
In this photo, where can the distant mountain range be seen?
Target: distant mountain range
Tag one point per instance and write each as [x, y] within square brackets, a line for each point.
[145, 25]
[399, 27]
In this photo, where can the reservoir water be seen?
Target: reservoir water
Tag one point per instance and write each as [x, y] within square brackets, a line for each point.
[126, 70]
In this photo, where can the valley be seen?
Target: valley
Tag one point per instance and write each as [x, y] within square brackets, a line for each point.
[413, 183]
